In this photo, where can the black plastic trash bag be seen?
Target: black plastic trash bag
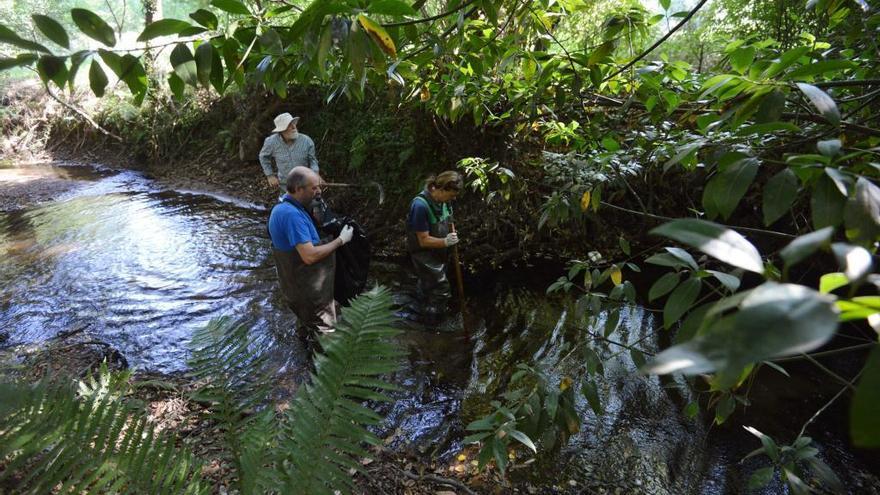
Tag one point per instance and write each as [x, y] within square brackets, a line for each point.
[352, 259]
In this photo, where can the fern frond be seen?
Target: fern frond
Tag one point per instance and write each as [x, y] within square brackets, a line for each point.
[54, 442]
[326, 426]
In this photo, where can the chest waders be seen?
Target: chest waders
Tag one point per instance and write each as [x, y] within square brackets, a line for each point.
[430, 264]
[308, 289]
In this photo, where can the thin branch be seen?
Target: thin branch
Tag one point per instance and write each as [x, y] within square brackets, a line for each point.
[828, 404]
[660, 41]
[666, 219]
[429, 19]
[826, 353]
[82, 114]
[852, 82]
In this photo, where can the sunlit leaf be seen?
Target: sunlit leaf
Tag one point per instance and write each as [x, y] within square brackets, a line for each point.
[585, 200]
[820, 99]
[714, 240]
[231, 6]
[730, 282]
[52, 29]
[93, 26]
[855, 260]
[805, 245]
[773, 320]
[862, 213]
[378, 34]
[831, 281]
[616, 275]
[523, 439]
[390, 7]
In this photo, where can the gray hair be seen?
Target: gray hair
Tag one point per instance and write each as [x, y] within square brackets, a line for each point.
[297, 177]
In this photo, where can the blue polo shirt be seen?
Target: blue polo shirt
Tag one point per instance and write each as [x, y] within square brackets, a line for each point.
[289, 225]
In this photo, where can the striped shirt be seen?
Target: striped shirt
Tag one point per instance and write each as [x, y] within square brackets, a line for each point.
[286, 156]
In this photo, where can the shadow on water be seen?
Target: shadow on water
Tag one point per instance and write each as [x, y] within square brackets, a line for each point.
[144, 266]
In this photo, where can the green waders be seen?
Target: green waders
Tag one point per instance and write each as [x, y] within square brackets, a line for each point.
[430, 264]
[308, 290]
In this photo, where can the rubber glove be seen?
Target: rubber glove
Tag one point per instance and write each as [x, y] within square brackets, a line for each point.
[451, 239]
[346, 234]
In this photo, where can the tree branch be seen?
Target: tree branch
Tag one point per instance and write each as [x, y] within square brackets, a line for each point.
[429, 19]
[853, 82]
[82, 114]
[660, 41]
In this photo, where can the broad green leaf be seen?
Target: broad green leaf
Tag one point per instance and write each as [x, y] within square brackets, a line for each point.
[785, 61]
[93, 26]
[52, 29]
[725, 190]
[271, 42]
[162, 27]
[97, 78]
[231, 6]
[778, 195]
[184, 64]
[591, 393]
[826, 203]
[682, 152]
[862, 213]
[324, 48]
[855, 260]
[390, 7]
[770, 108]
[821, 67]
[53, 69]
[831, 281]
[684, 256]
[829, 148]
[714, 240]
[730, 282]
[523, 439]
[864, 412]
[663, 285]
[681, 300]
[76, 60]
[805, 245]
[204, 61]
[217, 72]
[741, 58]
[761, 477]
[666, 259]
[773, 320]
[23, 59]
[820, 99]
[205, 18]
[724, 408]
[8, 36]
[665, 4]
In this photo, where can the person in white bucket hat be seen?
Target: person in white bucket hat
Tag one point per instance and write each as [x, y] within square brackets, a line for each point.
[287, 148]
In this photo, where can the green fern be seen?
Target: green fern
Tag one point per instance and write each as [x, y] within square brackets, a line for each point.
[231, 366]
[326, 426]
[53, 442]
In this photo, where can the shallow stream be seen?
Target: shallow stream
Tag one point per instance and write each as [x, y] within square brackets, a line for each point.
[142, 265]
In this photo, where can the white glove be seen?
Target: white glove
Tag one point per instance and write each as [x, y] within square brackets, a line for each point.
[346, 234]
[451, 239]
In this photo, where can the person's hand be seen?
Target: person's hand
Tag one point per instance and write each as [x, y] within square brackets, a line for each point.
[273, 181]
[451, 239]
[346, 234]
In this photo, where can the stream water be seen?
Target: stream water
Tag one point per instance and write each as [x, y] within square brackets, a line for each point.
[142, 266]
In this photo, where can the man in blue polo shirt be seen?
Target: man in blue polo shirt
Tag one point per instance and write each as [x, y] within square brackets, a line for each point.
[306, 268]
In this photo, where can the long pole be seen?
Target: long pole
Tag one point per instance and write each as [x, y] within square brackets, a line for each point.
[458, 278]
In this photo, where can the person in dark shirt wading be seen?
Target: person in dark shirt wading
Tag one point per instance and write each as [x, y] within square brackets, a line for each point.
[306, 268]
[428, 237]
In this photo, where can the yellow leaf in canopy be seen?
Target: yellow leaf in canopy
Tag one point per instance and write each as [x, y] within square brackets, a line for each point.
[565, 383]
[425, 94]
[616, 276]
[585, 201]
[379, 35]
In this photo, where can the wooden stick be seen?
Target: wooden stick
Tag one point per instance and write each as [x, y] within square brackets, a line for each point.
[458, 277]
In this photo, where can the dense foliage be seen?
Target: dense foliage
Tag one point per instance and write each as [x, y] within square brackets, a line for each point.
[763, 114]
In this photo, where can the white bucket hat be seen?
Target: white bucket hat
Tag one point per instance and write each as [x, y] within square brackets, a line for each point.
[284, 120]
